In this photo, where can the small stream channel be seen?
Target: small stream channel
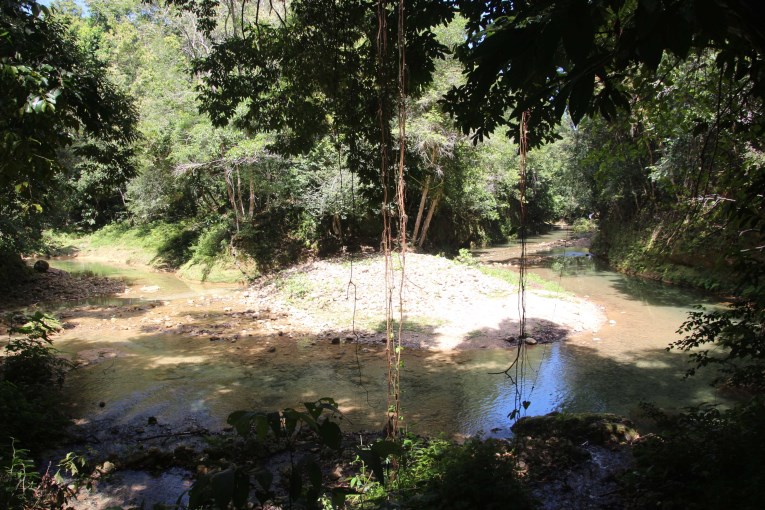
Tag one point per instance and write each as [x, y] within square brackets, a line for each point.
[182, 381]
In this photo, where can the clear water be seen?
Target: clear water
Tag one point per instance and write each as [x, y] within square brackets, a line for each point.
[182, 380]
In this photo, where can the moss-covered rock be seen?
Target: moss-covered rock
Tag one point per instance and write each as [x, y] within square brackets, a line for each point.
[600, 429]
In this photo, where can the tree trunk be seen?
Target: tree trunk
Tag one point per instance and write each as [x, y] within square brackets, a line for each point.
[239, 191]
[231, 197]
[423, 200]
[251, 211]
[433, 207]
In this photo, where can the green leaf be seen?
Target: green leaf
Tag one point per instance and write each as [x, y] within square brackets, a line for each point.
[275, 422]
[386, 448]
[331, 435]
[374, 462]
[578, 32]
[581, 96]
[291, 419]
[222, 484]
[261, 427]
[241, 421]
[338, 496]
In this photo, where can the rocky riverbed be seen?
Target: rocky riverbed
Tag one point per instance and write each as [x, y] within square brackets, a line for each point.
[447, 307]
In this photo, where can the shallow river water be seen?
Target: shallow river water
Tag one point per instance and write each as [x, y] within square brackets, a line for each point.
[185, 381]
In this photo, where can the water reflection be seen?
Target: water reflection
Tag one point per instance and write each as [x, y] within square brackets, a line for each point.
[179, 379]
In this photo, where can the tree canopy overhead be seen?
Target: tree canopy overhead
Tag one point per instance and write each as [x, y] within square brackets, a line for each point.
[309, 67]
[549, 56]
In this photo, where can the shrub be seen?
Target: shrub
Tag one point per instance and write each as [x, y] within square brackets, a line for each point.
[436, 474]
[465, 257]
[703, 458]
[478, 474]
[584, 226]
[30, 376]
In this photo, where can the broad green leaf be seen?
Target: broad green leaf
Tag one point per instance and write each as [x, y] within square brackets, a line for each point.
[222, 484]
[331, 434]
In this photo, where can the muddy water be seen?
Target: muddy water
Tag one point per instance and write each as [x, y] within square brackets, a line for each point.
[189, 382]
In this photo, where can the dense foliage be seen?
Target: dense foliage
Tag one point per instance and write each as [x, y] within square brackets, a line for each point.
[65, 127]
[31, 375]
[241, 131]
[703, 458]
[552, 56]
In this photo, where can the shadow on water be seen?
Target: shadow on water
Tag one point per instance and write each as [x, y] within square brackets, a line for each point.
[194, 374]
[577, 265]
[187, 381]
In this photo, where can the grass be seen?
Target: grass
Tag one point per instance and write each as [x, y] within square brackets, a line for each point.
[411, 325]
[295, 287]
[151, 245]
[433, 474]
[538, 282]
[161, 245]
[532, 279]
[218, 270]
[475, 333]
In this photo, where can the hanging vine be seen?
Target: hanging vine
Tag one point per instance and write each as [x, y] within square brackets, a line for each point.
[517, 369]
[401, 203]
[393, 333]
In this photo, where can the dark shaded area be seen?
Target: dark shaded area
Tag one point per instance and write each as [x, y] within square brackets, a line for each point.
[56, 285]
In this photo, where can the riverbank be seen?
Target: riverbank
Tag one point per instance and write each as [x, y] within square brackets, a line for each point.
[447, 306]
[158, 373]
[57, 286]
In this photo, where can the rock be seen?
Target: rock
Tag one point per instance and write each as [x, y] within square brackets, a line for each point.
[106, 468]
[597, 428]
[335, 340]
[529, 341]
[41, 266]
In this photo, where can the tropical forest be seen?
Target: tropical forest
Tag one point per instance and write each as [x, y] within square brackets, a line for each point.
[382, 254]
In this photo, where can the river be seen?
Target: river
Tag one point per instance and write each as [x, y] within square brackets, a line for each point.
[180, 381]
